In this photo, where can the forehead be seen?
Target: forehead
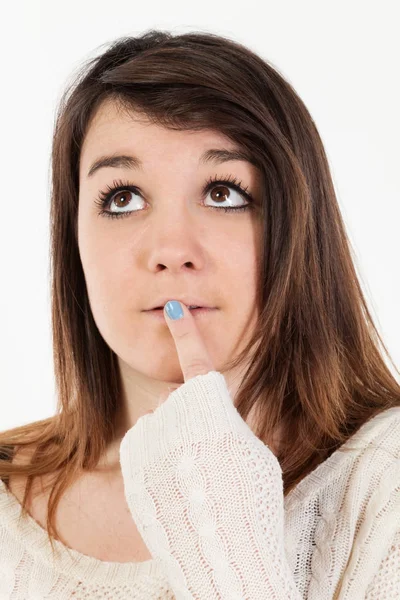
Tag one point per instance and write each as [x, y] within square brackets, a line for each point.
[113, 129]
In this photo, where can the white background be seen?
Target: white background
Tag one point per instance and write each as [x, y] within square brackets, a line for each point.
[342, 57]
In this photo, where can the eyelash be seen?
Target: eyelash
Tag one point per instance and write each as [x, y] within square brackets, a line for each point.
[105, 197]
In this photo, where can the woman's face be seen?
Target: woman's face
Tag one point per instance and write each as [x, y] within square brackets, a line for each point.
[168, 242]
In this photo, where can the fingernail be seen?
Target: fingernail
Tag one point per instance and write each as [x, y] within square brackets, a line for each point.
[174, 310]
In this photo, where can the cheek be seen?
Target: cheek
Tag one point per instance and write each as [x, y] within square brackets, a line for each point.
[100, 254]
[240, 265]
[242, 282]
[103, 271]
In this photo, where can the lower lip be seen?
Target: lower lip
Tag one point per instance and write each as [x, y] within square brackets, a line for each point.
[198, 313]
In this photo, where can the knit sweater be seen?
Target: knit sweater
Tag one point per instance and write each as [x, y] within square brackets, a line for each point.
[206, 495]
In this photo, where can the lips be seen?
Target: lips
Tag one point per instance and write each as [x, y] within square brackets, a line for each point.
[162, 308]
[188, 301]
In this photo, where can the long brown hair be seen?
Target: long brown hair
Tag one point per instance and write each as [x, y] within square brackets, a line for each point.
[319, 369]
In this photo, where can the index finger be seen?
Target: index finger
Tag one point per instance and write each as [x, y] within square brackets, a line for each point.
[192, 352]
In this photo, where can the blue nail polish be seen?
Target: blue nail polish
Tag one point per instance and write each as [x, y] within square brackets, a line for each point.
[174, 310]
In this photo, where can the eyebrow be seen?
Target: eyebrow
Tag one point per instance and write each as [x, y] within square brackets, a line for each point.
[124, 161]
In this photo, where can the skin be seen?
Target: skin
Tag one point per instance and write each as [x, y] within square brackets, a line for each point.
[172, 243]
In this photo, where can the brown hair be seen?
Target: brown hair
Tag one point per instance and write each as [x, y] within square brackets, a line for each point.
[318, 370]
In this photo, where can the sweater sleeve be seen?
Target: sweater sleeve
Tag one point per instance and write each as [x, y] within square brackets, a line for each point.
[386, 582]
[207, 496]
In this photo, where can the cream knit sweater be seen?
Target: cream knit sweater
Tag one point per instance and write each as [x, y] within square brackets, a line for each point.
[207, 497]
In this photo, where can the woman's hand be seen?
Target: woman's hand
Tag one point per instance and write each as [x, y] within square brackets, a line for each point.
[192, 352]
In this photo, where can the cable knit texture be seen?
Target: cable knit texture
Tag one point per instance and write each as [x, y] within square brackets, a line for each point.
[207, 498]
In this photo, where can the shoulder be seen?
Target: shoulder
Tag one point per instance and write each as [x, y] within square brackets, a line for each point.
[384, 431]
[377, 456]
[374, 471]
[380, 435]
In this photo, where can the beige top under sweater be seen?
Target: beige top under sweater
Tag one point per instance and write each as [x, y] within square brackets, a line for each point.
[207, 497]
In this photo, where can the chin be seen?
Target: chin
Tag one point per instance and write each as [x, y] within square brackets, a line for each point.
[161, 369]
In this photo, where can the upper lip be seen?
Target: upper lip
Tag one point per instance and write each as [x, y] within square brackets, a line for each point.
[189, 301]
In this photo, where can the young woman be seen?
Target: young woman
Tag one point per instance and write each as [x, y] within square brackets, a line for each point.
[227, 427]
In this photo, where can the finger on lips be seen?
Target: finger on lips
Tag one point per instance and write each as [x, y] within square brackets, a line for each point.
[192, 352]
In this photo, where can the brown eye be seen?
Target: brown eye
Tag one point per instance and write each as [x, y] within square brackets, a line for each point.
[219, 195]
[224, 193]
[122, 198]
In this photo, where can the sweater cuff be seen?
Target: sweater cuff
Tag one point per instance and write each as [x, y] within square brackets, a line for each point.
[200, 409]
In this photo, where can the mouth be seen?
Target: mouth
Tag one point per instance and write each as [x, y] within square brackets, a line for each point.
[189, 307]
[200, 311]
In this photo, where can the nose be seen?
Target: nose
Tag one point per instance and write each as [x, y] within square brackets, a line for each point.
[175, 240]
